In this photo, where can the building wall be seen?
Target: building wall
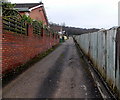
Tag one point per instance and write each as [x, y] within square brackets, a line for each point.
[37, 14]
[17, 49]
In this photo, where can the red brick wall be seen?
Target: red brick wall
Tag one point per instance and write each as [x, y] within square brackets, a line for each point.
[0, 43]
[18, 48]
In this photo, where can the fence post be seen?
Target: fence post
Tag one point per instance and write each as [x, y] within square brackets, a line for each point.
[30, 30]
[42, 32]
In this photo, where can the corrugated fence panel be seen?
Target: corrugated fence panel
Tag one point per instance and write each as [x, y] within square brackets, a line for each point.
[118, 60]
[111, 45]
[103, 48]
[101, 53]
[94, 51]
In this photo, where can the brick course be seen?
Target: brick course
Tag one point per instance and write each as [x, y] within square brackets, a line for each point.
[17, 49]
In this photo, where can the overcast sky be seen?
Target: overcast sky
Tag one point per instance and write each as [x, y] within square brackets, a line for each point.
[80, 13]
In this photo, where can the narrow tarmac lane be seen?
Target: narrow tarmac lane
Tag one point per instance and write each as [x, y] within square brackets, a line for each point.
[62, 74]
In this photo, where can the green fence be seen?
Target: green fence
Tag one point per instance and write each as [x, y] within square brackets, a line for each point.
[36, 29]
[14, 24]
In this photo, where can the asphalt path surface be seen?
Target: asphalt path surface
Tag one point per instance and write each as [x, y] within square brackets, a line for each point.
[61, 74]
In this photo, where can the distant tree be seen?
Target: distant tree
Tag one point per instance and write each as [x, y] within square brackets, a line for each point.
[74, 30]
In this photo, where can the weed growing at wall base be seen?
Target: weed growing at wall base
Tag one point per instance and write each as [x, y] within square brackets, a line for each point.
[9, 76]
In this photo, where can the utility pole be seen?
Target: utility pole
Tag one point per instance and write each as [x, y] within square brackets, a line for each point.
[119, 13]
[0, 8]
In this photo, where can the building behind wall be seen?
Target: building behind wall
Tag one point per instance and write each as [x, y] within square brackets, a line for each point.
[34, 10]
